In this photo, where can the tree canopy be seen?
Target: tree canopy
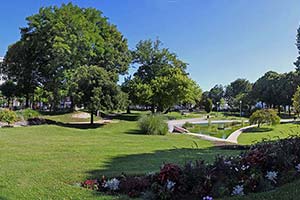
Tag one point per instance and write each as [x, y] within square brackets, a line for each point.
[63, 38]
[161, 80]
[94, 88]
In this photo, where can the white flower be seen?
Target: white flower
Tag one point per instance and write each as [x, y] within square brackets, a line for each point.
[272, 176]
[112, 184]
[244, 167]
[236, 169]
[238, 190]
[227, 162]
[170, 185]
[298, 167]
[207, 198]
[150, 174]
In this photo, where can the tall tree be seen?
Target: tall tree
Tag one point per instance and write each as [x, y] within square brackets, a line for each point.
[67, 37]
[19, 67]
[96, 89]
[216, 93]
[238, 90]
[8, 90]
[297, 63]
[265, 89]
[161, 80]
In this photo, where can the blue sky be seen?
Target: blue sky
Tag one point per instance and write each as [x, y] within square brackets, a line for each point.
[220, 39]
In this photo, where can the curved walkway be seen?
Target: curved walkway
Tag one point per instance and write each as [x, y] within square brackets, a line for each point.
[232, 138]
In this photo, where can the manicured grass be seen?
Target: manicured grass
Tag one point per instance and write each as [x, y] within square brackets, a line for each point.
[269, 132]
[44, 162]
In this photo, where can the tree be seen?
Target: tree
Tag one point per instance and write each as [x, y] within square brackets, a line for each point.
[268, 116]
[208, 105]
[18, 67]
[237, 91]
[216, 94]
[160, 81]
[8, 90]
[296, 101]
[265, 89]
[94, 88]
[64, 38]
[297, 63]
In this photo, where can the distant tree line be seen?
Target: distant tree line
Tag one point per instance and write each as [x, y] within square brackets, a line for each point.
[272, 90]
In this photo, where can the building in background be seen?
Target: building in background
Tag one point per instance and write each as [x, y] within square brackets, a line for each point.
[1, 77]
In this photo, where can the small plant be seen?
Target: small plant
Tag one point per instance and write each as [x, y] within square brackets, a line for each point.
[265, 116]
[153, 125]
[29, 113]
[8, 116]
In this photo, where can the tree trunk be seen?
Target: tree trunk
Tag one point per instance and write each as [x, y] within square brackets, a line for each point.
[289, 107]
[128, 110]
[167, 111]
[27, 101]
[153, 109]
[92, 117]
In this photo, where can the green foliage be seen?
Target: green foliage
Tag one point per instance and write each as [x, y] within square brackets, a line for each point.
[264, 116]
[153, 125]
[8, 89]
[296, 100]
[95, 88]
[161, 80]
[29, 113]
[216, 93]
[8, 116]
[58, 39]
[208, 105]
[239, 90]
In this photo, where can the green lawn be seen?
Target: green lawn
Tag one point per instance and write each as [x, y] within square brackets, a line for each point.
[269, 132]
[44, 162]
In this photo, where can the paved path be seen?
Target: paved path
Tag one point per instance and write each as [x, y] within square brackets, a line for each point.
[232, 138]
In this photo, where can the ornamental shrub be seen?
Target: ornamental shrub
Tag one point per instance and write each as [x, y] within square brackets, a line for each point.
[29, 113]
[261, 168]
[8, 116]
[265, 116]
[153, 125]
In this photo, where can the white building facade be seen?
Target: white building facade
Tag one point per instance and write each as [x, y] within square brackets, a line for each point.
[1, 77]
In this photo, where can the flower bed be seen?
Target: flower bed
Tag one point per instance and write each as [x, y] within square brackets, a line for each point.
[263, 167]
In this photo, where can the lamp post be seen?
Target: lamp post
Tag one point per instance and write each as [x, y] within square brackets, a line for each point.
[241, 108]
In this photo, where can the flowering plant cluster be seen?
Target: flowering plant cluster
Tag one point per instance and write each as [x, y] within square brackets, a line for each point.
[263, 167]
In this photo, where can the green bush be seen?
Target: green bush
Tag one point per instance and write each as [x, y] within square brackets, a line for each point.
[187, 125]
[153, 125]
[8, 116]
[29, 113]
[264, 116]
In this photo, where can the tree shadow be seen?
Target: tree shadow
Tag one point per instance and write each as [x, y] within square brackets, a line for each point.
[83, 125]
[138, 164]
[80, 125]
[124, 116]
[258, 130]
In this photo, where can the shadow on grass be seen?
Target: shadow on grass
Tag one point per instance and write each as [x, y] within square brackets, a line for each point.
[124, 116]
[40, 121]
[138, 164]
[80, 125]
[258, 130]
